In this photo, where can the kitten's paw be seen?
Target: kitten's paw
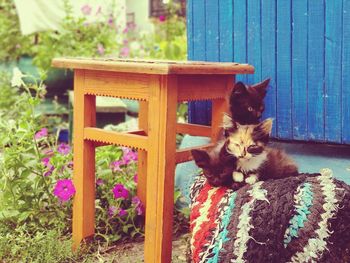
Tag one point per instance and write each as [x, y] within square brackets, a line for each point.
[237, 177]
[252, 179]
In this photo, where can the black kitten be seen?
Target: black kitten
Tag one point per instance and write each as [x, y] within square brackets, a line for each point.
[247, 102]
[217, 165]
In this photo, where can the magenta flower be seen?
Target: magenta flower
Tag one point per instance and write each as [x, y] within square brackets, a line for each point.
[122, 212]
[86, 9]
[64, 189]
[49, 172]
[115, 166]
[63, 148]
[124, 52]
[162, 18]
[100, 49]
[112, 210]
[70, 165]
[46, 162]
[99, 182]
[135, 178]
[110, 20]
[120, 191]
[41, 134]
[139, 208]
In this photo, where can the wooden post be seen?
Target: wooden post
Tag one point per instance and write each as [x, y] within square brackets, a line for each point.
[161, 167]
[84, 162]
[142, 155]
[219, 106]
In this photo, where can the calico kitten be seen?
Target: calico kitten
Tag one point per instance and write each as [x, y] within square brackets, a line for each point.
[217, 164]
[256, 161]
[246, 106]
[247, 102]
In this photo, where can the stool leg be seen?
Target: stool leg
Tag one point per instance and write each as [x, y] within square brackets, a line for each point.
[84, 163]
[142, 155]
[161, 168]
[219, 107]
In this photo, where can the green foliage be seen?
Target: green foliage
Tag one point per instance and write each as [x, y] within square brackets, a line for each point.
[78, 38]
[13, 44]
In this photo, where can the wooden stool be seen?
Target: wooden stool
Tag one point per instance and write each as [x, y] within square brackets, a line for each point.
[159, 86]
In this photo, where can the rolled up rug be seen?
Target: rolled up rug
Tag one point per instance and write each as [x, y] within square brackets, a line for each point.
[296, 219]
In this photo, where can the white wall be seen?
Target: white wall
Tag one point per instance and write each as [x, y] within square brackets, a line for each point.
[141, 10]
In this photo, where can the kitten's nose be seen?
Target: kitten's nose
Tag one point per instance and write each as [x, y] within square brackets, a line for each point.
[258, 114]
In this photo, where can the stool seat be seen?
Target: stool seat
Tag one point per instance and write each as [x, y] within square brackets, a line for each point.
[158, 86]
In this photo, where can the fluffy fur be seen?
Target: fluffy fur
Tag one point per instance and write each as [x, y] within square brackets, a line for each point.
[256, 161]
[247, 102]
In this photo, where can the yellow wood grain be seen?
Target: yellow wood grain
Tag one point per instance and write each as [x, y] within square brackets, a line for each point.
[84, 163]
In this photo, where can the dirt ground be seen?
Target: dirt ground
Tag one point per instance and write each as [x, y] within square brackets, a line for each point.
[133, 252]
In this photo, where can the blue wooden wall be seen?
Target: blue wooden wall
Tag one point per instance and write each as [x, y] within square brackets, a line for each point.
[304, 46]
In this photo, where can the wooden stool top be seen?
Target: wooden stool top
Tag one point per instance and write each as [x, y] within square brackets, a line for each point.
[160, 67]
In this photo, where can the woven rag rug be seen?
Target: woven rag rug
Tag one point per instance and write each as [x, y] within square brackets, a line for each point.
[297, 219]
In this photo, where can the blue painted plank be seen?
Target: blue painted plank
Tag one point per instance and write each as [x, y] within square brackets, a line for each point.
[254, 39]
[212, 30]
[268, 57]
[226, 30]
[345, 73]
[332, 70]
[189, 23]
[240, 34]
[316, 32]
[284, 116]
[299, 69]
[198, 111]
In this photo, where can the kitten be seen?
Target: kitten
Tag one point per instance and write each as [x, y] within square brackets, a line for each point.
[217, 164]
[247, 102]
[256, 161]
[246, 106]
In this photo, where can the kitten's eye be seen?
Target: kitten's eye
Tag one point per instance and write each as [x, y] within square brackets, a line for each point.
[255, 149]
[250, 109]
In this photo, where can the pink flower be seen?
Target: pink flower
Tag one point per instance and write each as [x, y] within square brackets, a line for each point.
[135, 178]
[112, 210]
[124, 52]
[99, 182]
[162, 18]
[46, 162]
[100, 49]
[86, 9]
[63, 149]
[139, 208]
[120, 191]
[115, 166]
[64, 189]
[41, 134]
[70, 165]
[110, 20]
[122, 212]
[49, 171]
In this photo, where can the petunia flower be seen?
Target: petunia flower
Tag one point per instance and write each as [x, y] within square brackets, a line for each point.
[41, 134]
[122, 212]
[115, 166]
[100, 49]
[86, 9]
[64, 189]
[119, 191]
[49, 171]
[135, 178]
[112, 210]
[139, 208]
[99, 182]
[63, 148]
[162, 18]
[46, 162]
[124, 52]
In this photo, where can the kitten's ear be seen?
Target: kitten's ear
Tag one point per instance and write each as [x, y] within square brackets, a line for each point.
[224, 154]
[239, 89]
[261, 87]
[263, 130]
[201, 158]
